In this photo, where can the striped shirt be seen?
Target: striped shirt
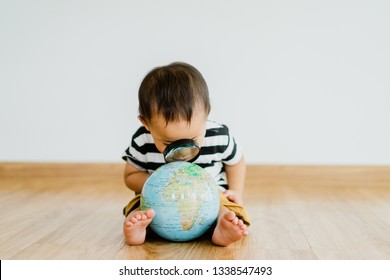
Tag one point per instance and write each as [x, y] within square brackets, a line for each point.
[219, 148]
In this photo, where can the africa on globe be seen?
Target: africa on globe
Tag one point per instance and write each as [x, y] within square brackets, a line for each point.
[185, 199]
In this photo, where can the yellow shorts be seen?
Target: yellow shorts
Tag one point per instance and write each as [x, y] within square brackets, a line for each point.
[238, 209]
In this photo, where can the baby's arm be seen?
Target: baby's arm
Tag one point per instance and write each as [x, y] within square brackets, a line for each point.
[135, 178]
[236, 179]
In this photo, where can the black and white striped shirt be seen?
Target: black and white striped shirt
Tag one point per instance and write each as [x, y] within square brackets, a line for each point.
[219, 148]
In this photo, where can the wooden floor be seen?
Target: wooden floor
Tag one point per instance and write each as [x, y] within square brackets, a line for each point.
[73, 211]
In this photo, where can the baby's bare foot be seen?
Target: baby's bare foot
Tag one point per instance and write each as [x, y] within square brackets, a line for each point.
[134, 226]
[229, 229]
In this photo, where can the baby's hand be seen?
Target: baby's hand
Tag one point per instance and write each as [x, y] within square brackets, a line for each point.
[232, 196]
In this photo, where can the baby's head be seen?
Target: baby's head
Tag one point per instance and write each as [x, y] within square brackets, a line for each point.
[174, 91]
[174, 104]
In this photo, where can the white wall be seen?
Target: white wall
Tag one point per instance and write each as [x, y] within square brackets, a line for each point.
[299, 82]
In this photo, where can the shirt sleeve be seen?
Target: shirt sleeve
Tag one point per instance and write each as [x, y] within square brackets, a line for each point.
[134, 157]
[142, 152]
[219, 146]
[233, 153]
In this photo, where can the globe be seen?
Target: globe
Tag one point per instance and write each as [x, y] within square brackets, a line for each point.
[185, 199]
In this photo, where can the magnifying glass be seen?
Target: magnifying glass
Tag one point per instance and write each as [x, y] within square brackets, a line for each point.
[182, 150]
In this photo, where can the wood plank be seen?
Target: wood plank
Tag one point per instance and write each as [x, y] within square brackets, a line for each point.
[73, 211]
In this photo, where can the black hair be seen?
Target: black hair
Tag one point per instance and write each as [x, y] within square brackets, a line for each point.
[173, 91]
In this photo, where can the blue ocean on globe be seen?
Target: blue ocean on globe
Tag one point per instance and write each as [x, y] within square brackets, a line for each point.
[185, 198]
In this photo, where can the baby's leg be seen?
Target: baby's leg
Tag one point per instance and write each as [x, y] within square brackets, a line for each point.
[229, 228]
[134, 226]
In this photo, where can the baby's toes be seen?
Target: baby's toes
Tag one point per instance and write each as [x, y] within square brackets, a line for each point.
[235, 221]
[143, 217]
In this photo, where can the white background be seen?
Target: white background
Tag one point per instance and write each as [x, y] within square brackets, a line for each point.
[299, 82]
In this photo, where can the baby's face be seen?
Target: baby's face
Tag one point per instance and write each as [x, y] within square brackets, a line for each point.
[164, 134]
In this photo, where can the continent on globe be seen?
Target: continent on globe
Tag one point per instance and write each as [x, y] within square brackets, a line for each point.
[185, 198]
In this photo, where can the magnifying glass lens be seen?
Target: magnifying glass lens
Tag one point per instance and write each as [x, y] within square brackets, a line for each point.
[182, 150]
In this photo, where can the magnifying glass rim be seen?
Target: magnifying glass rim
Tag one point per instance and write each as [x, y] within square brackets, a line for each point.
[178, 143]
